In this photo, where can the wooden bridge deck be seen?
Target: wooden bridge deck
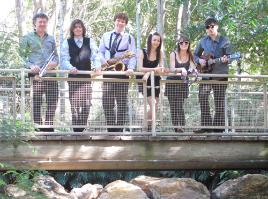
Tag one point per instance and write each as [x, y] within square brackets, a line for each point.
[138, 152]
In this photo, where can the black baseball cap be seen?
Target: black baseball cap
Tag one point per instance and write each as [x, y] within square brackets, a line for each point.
[211, 20]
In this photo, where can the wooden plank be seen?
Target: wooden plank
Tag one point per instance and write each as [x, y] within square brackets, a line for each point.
[114, 153]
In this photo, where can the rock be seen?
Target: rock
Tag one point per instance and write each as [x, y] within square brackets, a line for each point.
[171, 188]
[14, 191]
[122, 190]
[251, 186]
[50, 188]
[87, 191]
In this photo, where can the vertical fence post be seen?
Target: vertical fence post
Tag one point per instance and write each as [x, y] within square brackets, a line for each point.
[161, 105]
[144, 87]
[265, 104]
[14, 100]
[153, 105]
[22, 103]
[226, 113]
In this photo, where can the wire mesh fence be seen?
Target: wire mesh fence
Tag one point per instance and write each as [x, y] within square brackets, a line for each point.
[92, 104]
[213, 105]
[121, 105]
[7, 98]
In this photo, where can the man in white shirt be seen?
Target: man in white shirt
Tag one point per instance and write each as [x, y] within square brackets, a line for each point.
[114, 44]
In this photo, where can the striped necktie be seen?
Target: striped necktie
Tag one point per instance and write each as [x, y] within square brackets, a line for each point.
[114, 45]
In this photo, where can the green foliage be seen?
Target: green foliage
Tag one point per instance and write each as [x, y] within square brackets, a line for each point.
[22, 179]
[15, 132]
[9, 53]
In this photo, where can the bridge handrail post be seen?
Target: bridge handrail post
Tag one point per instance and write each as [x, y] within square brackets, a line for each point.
[22, 103]
[265, 103]
[226, 114]
[14, 100]
[153, 104]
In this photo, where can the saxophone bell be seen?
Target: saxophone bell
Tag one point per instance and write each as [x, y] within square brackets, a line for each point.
[118, 66]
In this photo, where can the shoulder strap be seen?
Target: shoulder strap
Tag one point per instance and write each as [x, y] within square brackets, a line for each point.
[129, 39]
[110, 42]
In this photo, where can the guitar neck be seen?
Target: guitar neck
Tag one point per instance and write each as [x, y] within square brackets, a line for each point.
[231, 57]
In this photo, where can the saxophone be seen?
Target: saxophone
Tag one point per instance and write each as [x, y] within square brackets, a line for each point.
[119, 65]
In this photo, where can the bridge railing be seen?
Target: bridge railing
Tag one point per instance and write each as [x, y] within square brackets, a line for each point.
[244, 104]
[239, 104]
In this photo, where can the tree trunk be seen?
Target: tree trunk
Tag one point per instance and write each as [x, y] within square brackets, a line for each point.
[183, 17]
[38, 6]
[161, 22]
[61, 19]
[67, 16]
[138, 17]
[160, 16]
[20, 17]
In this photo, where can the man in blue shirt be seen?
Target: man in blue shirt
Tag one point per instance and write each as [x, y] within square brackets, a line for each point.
[217, 46]
[35, 48]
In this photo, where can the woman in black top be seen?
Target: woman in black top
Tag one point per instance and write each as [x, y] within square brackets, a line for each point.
[151, 59]
[181, 61]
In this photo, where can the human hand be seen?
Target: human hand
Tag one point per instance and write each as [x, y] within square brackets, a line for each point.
[202, 62]
[129, 72]
[224, 59]
[73, 70]
[35, 69]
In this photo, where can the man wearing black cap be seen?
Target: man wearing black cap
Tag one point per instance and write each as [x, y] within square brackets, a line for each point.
[216, 46]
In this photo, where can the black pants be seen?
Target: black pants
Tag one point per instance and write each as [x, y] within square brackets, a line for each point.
[80, 100]
[115, 94]
[219, 91]
[176, 93]
[50, 89]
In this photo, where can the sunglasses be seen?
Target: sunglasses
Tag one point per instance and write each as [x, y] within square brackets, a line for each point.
[210, 26]
[184, 42]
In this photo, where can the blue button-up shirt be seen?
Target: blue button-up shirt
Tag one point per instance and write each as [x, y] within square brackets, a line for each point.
[36, 50]
[127, 43]
[218, 47]
[65, 56]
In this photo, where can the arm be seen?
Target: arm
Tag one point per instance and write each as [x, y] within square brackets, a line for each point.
[161, 61]
[55, 60]
[65, 57]
[192, 66]
[95, 58]
[102, 50]
[132, 61]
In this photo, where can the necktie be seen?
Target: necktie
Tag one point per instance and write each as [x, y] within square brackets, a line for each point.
[114, 45]
[79, 43]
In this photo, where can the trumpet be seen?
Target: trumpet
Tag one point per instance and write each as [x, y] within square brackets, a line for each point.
[119, 65]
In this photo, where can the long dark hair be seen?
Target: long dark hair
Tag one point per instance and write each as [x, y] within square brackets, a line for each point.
[72, 27]
[184, 38]
[149, 45]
